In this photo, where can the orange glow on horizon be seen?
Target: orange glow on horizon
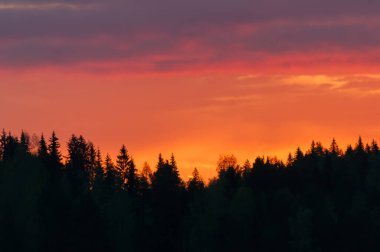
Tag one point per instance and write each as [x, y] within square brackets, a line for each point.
[196, 117]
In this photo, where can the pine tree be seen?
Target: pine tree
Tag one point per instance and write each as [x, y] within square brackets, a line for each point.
[109, 168]
[79, 164]
[55, 156]
[367, 149]
[160, 161]
[99, 161]
[146, 174]
[247, 165]
[80, 156]
[319, 149]
[145, 179]
[110, 176]
[3, 141]
[42, 149]
[99, 171]
[247, 168]
[299, 154]
[334, 148]
[195, 183]
[131, 178]
[173, 164]
[166, 177]
[99, 188]
[92, 162]
[122, 165]
[374, 147]
[290, 160]
[313, 148]
[359, 146]
[349, 151]
[10, 147]
[25, 142]
[167, 203]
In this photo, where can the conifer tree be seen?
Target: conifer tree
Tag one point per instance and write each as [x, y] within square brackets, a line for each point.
[146, 174]
[110, 176]
[349, 151]
[92, 162]
[109, 168]
[247, 166]
[367, 149]
[359, 146]
[10, 146]
[122, 165]
[79, 164]
[334, 148]
[25, 142]
[313, 148]
[374, 147]
[195, 183]
[99, 188]
[290, 159]
[145, 179]
[131, 178]
[3, 141]
[55, 156]
[99, 172]
[99, 161]
[299, 154]
[166, 177]
[42, 149]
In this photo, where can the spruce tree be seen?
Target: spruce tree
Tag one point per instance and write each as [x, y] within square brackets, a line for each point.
[43, 149]
[122, 165]
[25, 142]
[131, 178]
[145, 179]
[299, 154]
[359, 146]
[99, 188]
[146, 173]
[55, 156]
[110, 176]
[195, 183]
[3, 141]
[334, 148]
[374, 147]
[92, 164]
[99, 171]
[78, 164]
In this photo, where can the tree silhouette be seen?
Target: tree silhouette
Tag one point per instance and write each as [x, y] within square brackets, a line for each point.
[122, 165]
[3, 142]
[195, 183]
[322, 199]
[55, 156]
[131, 178]
[24, 142]
[43, 149]
[167, 188]
[79, 164]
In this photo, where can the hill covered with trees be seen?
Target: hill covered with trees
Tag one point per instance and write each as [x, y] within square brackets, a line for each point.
[323, 199]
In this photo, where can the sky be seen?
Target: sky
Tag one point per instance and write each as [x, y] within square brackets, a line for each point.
[195, 78]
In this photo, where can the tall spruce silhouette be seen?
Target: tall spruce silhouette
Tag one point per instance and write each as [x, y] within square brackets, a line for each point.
[122, 166]
[55, 156]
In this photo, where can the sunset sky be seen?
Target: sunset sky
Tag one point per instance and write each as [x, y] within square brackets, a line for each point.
[198, 78]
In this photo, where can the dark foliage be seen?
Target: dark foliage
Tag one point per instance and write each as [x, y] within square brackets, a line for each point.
[324, 199]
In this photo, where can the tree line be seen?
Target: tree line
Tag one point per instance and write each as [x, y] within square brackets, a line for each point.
[322, 199]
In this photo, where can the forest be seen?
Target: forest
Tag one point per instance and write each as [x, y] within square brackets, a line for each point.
[320, 199]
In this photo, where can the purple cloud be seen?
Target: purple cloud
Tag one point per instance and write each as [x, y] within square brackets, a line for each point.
[157, 32]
